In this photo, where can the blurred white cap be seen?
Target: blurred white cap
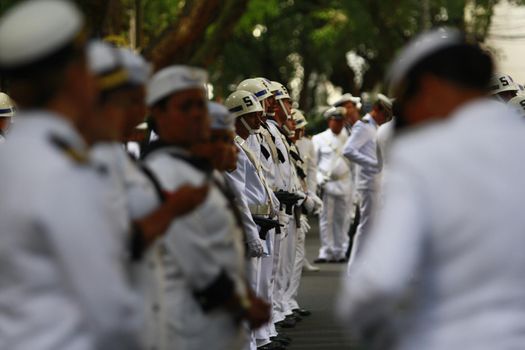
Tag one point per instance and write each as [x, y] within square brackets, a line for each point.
[173, 79]
[335, 112]
[104, 63]
[221, 118]
[139, 70]
[347, 98]
[423, 46]
[35, 29]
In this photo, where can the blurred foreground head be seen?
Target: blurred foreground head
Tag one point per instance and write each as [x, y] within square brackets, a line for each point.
[42, 53]
[177, 98]
[436, 73]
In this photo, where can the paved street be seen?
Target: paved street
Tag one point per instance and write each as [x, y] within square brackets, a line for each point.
[320, 331]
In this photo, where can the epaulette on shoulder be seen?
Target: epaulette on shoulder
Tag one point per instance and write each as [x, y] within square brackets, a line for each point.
[70, 152]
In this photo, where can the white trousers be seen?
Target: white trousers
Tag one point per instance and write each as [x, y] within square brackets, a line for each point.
[265, 291]
[367, 200]
[290, 295]
[284, 270]
[334, 223]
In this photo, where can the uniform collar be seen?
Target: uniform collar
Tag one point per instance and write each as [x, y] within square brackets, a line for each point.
[370, 120]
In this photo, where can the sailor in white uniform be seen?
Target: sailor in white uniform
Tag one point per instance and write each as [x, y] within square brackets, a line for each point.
[202, 255]
[362, 149]
[306, 174]
[64, 284]
[443, 266]
[251, 184]
[334, 176]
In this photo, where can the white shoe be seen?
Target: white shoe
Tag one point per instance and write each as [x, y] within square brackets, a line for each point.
[309, 267]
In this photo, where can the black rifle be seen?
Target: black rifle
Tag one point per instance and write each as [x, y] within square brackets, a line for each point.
[265, 225]
[288, 200]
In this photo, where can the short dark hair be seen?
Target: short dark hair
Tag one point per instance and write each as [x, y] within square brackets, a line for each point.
[466, 65]
[35, 84]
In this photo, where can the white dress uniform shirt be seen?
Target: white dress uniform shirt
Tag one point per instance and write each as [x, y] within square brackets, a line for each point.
[200, 250]
[63, 280]
[284, 168]
[307, 149]
[251, 193]
[385, 133]
[361, 148]
[449, 241]
[332, 168]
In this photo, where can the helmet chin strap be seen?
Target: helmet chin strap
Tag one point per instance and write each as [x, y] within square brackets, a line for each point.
[288, 131]
[288, 116]
[250, 129]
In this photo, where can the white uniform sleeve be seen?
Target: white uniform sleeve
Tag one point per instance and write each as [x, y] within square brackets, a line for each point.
[311, 169]
[82, 235]
[237, 180]
[381, 275]
[352, 148]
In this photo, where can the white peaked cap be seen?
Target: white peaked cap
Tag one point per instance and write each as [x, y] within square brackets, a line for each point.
[220, 116]
[335, 112]
[385, 101]
[347, 98]
[104, 62]
[423, 46]
[173, 79]
[139, 70]
[35, 29]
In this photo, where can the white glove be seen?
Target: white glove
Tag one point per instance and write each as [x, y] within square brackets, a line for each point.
[284, 219]
[305, 226]
[303, 198]
[309, 204]
[255, 248]
[318, 209]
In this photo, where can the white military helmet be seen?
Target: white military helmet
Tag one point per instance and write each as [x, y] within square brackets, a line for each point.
[502, 82]
[7, 107]
[518, 102]
[256, 87]
[299, 118]
[242, 102]
[281, 91]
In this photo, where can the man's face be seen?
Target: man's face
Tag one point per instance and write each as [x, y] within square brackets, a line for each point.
[5, 122]
[352, 113]
[184, 119]
[136, 109]
[336, 125]
[283, 110]
[269, 105]
[299, 134]
[253, 120]
[218, 150]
